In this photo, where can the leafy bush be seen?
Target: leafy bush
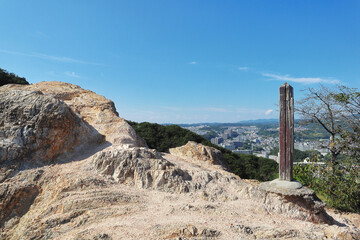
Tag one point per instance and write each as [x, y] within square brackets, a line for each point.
[299, 155]
[162, 138]
[339, 188]
[306, 174]
[10, 78]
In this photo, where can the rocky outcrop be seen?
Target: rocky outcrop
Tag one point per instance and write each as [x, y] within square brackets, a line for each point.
[301, 202]
[122, 189]
[143, 167]
[148, 169]
[94, 109]
[305, 206]
[199, 153]
[39, 127]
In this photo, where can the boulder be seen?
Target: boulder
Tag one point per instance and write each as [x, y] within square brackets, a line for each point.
[96, 110]
[197, 152]
[39, 127]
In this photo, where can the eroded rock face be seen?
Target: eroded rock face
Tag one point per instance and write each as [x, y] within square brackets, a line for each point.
[39, 127]
[143, 167]
[17, 197]
[300, 204]
[96, 110]
[148, 169]
[200, 153]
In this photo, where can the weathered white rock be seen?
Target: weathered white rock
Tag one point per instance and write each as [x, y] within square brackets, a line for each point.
[94, 109]
[197, 152]
[127, 191]
[143, 167]
[38, 127]
[284, 186]
[299, 203]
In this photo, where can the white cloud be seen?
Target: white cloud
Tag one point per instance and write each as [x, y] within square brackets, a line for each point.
[193, 62]
[72, 74]
[299, 80]
[268, 112]
[49, 57]
[243, 68]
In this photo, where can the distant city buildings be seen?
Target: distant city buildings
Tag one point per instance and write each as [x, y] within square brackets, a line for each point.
[225, 136]
[217, 140]
[248, 140]
[240, 138]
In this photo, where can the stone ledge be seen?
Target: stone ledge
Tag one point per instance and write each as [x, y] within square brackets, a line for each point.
[306, 204]
[287, 188]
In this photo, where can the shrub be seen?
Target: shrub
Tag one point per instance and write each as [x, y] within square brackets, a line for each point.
[339, 188]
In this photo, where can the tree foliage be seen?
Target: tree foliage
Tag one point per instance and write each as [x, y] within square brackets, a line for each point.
[340, 190]
[349, 101]
[320, 107]
[162, 138]
[10, 78]
[299, 155]
[338, 112]
[210, 134]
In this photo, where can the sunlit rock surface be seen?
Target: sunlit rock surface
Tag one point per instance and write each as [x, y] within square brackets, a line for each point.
[39, 127]
[199, 153]
[111, 186]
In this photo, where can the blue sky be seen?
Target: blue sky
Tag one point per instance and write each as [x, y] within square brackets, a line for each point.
[184, 61]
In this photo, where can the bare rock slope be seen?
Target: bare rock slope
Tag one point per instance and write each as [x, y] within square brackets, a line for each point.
[67, 186]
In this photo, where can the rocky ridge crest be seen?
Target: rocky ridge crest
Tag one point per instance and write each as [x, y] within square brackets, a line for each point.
[121, 189]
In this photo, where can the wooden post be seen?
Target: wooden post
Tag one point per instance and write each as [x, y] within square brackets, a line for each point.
[286, 132]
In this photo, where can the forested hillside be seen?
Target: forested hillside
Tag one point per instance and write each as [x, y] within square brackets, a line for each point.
[10, 78]
[162, 138]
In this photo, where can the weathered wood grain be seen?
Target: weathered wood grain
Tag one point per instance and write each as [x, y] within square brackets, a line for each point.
[286, 132]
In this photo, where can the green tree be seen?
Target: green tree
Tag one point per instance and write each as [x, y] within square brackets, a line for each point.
[349, 101]
[341, 191]
[337, 111]
[320, 106]
[210, 134]
[299, 155]
[10, 78]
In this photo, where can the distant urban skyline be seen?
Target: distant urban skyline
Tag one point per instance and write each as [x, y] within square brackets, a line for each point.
[184, 61]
